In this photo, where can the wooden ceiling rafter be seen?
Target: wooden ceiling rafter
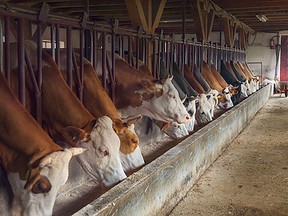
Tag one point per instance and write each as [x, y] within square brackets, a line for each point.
[203, 16]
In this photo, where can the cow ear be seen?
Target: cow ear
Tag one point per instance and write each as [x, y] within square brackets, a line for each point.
[165, 126]
[89, 127]
[149, 86]
[73, 135]
[132, 120]
[42, 185]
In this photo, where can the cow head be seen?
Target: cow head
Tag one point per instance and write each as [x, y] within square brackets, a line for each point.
[128, 139]
[190, 105]
[165, 105]
[175, 130]
[133, 160]
[36, 199]
[203, 112]
[224, 99]
[101, 160]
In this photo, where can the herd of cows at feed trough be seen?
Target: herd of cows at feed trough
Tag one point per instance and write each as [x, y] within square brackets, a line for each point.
[102, 135]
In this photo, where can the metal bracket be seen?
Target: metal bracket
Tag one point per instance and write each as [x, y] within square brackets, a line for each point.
[44, 12]
[84, 19]
[115, 25]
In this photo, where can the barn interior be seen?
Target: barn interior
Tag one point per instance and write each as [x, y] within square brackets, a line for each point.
[145, 31]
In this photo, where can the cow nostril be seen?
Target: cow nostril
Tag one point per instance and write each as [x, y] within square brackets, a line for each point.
[187, 117]
[135, 141]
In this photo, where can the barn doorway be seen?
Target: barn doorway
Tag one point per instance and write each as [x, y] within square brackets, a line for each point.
[284, 58]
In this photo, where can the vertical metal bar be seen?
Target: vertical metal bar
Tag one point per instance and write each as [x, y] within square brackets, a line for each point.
[21, 62]
[154, 59]
[52, 36]
[113, 66]
[167, 53]
[7, 50]
[39, 77]
[81, 64]
[158, 59]
[145, 51]
[104, 72]
[69, 56]
[183, 37]
[129, 50]
[1, 46]
[120, 46]
[95, 47]
[137, 52]
[57, 52]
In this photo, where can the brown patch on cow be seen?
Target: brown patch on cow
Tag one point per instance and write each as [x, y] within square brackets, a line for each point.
[129, 140]
[213, 83]
[192, 80]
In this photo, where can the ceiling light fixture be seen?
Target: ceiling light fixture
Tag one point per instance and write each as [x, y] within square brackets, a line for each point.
[261, 17]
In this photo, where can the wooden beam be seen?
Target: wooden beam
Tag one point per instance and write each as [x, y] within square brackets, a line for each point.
[230, 28]
[158, 14]
[203, 17]
[136, 13]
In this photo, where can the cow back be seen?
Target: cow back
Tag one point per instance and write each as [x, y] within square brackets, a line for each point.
[218, 77]
[200, 79]
[192, 80]
[182, 82]
[209, 77]
[237, 74]
[228, 77]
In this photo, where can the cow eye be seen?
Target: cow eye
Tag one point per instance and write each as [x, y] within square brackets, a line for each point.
[172, 96]
[202, 113]
[105, 152]
[190, 112]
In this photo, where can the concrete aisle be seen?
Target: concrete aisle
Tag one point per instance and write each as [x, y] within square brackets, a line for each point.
[251, 177]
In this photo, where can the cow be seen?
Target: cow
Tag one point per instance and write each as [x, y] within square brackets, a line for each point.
[192, 80]
[36, 167]
[173, 129]
[221, 97]
[99, 104]
[67, 121]
[137, 93]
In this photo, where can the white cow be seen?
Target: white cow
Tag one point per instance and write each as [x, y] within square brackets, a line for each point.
[53, 166]
[102, 159]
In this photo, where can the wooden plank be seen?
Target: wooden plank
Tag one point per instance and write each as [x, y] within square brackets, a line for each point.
[197, 12]
[158, 15]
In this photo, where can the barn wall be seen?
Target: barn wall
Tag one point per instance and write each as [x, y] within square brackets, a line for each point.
[157, 187]
[260, 51]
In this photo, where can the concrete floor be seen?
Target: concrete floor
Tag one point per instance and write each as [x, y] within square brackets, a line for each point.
[251, 177]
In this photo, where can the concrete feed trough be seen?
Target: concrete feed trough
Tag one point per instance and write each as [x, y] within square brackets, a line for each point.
[158, 186]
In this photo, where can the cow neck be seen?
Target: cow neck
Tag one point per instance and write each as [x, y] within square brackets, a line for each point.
[21, 138]
[209, 78]
[128, 81]
[95, 98]
[192, 80]
[61, 107]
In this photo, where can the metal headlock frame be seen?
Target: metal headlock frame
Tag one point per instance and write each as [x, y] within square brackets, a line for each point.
[165, 48]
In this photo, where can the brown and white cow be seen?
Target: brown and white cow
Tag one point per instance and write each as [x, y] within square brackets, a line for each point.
[99, 104]
[36, 167]
[137, 93]
[66, 120]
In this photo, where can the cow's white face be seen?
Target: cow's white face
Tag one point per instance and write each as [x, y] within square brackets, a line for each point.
[132, 160]
[227, 97]
[53, 166]
[190, 105]
[203, 112]
[102, 159]
[176, 130]
[168, 107]
[244, 91]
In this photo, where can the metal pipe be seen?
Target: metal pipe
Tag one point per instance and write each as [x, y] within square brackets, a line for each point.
[154, 72]
[57, 52]
[69, 56]
[104, 72]
[113, 71]
[21, 62]
[7, 50]
[81, 64]
[52, 39]
[95, 47]
[1, 46]
[39, 77]
[137, 52]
